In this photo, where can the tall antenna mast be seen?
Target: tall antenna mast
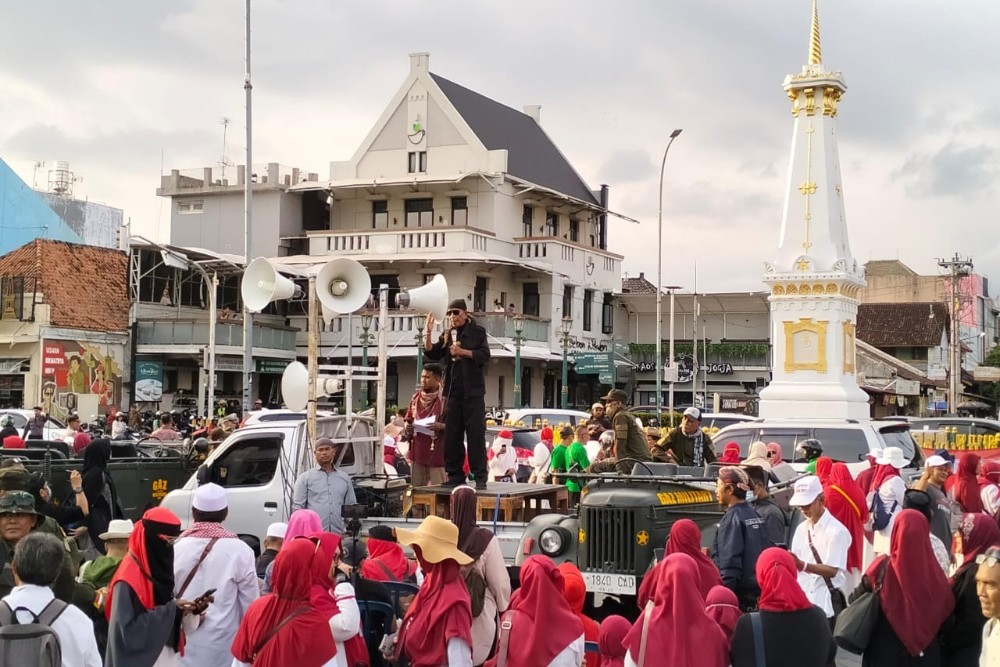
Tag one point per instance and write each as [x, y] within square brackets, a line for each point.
[224, 161]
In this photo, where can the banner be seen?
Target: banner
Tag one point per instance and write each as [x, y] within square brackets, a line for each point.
[148, 381]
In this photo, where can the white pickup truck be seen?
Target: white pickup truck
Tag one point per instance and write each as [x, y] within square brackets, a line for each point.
[258, 465]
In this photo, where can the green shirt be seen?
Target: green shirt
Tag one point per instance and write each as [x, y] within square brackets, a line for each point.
[578, 457]
[560, 460]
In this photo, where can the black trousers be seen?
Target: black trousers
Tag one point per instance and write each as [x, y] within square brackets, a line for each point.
[465, 422]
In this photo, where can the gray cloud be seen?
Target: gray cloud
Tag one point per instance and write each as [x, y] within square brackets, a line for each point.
[109, 85]
[951, 171]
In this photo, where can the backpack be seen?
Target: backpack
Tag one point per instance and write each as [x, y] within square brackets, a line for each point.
[30, 644]
[476, 585]
[880, 516]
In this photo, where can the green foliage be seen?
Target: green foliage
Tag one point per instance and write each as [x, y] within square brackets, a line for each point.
[993, 358]
[722, 350]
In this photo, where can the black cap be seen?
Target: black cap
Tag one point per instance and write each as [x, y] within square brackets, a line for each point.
[383, 533]
[457, 304]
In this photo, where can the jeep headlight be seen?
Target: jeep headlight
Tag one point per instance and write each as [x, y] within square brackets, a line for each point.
[552, 542]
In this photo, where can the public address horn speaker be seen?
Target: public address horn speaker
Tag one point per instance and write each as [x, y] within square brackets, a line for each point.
[295, 386]
[343, 285]
[431, 298]
[262, 284]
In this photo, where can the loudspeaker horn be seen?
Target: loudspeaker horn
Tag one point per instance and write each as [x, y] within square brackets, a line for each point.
[295, 386]
[343, 285]
[431, 298]
[262, 284]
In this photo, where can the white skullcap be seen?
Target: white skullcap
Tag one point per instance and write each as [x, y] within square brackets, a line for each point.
[277, 530]
[210, 498]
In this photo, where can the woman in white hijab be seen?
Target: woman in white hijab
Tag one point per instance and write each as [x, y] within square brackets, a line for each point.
[503, 465]
[757, 456]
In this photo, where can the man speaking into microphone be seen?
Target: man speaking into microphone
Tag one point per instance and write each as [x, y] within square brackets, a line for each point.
[464, 351]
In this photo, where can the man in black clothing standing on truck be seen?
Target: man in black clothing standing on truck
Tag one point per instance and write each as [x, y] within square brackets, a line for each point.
[739, 539]
[464, 351]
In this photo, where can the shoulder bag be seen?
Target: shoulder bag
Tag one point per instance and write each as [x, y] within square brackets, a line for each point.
[204, 555]
[506, 623]
[837, 598]
[856, 624]
[757, 625]
[646, 615]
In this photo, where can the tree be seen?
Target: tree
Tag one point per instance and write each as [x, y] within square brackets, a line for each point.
[993, 358]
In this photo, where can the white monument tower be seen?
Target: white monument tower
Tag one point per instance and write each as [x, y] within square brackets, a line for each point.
[814, 279]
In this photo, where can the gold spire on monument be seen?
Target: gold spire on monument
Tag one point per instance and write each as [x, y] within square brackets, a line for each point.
[815, 50]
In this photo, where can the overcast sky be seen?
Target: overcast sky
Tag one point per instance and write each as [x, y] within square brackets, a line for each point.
[120, 87]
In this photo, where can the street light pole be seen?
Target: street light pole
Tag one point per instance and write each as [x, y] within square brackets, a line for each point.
[659, 296]
[518, 341]
[366, 324]
[567, 325]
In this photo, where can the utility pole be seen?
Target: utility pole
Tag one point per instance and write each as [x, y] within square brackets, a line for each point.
[248, 227]
[957, 267]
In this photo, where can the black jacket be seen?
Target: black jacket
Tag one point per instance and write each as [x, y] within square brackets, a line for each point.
[473, 338]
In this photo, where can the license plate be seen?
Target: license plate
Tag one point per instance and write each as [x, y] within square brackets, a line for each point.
[611, 584]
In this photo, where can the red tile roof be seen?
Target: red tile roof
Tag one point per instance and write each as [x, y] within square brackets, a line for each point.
[86, 287]
[638, 285]
[888, 325]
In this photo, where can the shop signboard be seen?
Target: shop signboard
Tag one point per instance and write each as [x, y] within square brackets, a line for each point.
[595, 363]
[272, 366]
[148, 381]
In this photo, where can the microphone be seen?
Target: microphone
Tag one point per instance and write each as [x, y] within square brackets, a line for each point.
[454, 335]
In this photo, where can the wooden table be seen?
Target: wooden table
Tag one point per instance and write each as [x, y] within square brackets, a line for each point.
[501, 500]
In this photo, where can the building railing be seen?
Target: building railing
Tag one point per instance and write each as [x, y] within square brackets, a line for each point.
[187, 333]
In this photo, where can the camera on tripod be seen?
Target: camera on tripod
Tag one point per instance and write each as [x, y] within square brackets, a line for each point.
[354, 514]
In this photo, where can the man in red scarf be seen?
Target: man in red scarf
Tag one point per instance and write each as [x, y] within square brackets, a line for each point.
[207, 556]
[426, 452]
[575, 591]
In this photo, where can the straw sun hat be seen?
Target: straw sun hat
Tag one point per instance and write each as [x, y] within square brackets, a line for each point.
[437, 539]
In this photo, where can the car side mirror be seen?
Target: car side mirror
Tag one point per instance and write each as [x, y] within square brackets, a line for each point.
[203, 475]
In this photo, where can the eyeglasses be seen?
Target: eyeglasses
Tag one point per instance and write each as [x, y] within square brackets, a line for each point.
[452, 313]
[991, 558]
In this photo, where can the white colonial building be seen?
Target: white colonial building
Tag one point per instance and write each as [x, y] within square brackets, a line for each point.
[447, 182]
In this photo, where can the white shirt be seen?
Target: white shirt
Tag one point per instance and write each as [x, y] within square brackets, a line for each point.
[832, 541]
[231, 570]
[891, 493]
[593, 449]
[74, 629]
[540, 461]
[991, 499]
[941, 554]
[343, 626]
[990, 656]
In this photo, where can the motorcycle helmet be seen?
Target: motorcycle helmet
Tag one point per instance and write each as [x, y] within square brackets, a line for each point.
[811, 448]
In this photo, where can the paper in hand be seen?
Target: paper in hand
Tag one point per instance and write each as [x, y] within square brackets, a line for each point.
[420, 425]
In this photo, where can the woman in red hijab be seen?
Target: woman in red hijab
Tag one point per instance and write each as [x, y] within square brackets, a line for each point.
[336, 599]
[685, 538]
[437, 628]
[681, 633]
[796, 633]
[386, 560]
[914, 600]
[305, 638]
[730, 454]
[989, 487]
[966, 489]
[723, 607]
[824, 465]
[545, 632]
[963, 643]
[613, 631]
[144, 626]
[846, 502]
[575, 590]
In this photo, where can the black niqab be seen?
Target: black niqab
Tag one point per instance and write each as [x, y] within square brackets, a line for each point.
[160, 555]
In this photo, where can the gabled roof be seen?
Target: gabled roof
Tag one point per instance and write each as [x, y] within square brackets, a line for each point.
[887, 267]
[638, 285]
[887, 325]
[531, 154]
[85, 286]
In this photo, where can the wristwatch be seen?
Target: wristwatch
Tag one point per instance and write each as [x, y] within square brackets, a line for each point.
[78, 489]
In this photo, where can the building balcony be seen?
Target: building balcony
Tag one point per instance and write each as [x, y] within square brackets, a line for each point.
[582, 264]
[403, 328]
[182, 335]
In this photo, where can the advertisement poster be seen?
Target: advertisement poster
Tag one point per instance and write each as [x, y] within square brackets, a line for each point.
[148, 381]
[73, 370]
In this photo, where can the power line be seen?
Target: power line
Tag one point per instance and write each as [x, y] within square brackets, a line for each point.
[957, 267]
